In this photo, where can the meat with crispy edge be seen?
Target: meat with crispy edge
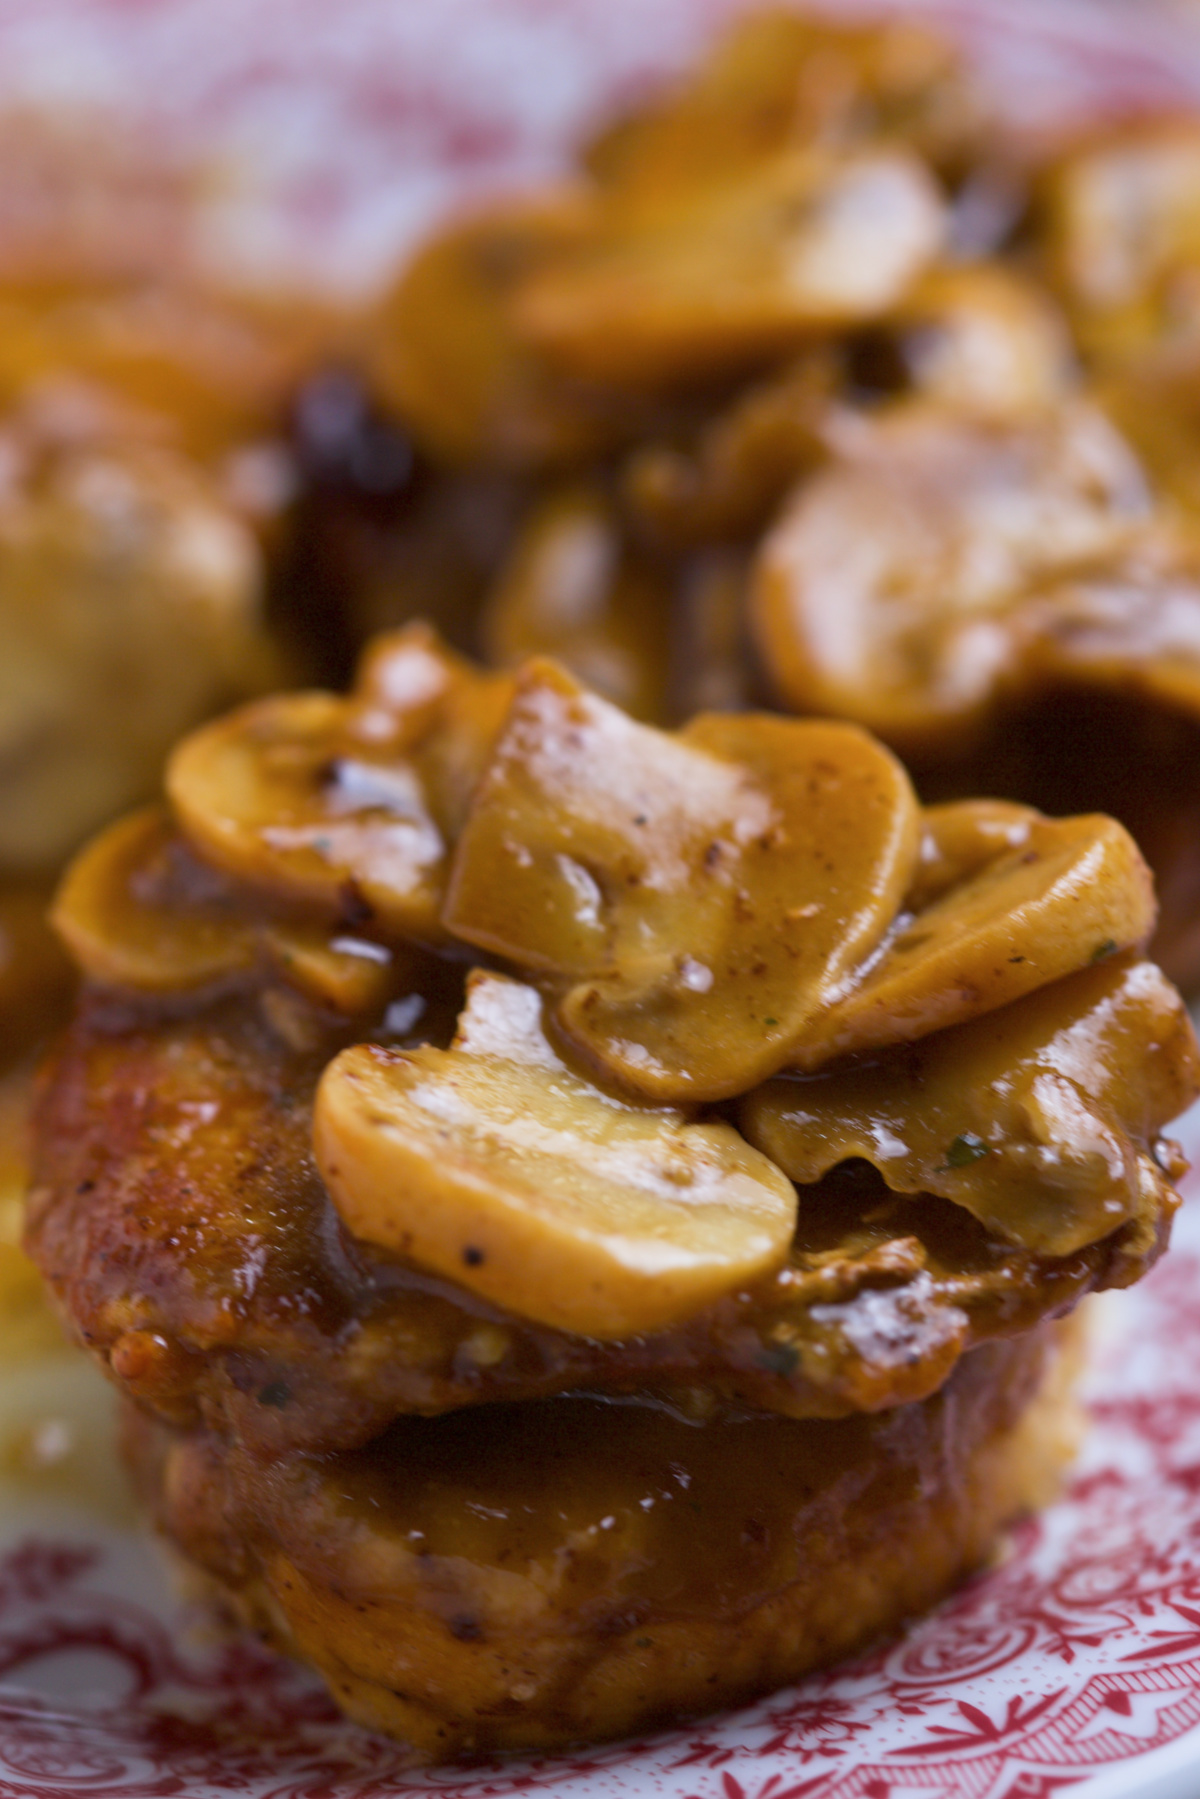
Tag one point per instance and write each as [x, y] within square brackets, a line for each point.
[190, 1243]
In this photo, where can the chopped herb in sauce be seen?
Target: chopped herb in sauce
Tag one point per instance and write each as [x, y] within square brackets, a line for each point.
[965, 1149]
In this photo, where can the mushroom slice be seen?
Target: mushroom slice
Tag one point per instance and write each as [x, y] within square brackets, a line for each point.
[344, 803]
[575, 588]
[1121, 224]
[1041, 1119]
[493, 1164]
[728, 481]
[1131, 624]
[686, 283]
[1054, 895]
[445, 353]
[137, 909]
[893, 589]
[702, 895]
[449, 711]
[353, 974]
[283, 795]
[960, 839]
[984, 336]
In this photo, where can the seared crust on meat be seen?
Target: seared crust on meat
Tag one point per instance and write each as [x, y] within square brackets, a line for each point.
[677, 1569]
[182, 1224]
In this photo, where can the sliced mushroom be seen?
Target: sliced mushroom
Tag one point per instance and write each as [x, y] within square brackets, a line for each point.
[1131, 624]
[448, 710]
[282, 795]
[114, 914]
[1041, 1119]
[981, 335]
[702, 896]
[1121, 229]
[728, 481]
[137, 909]
[446, 356]
[344, 970]
[693, 282]
[575, 588]
[346, 804]
[893, 589]
[959, 840]
[1054, 895]
[493, 1164]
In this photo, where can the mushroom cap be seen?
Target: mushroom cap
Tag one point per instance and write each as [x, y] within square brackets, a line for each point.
[697, 897]
[494, 1164]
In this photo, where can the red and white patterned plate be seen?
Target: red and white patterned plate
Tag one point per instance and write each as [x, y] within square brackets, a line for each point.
[1072, 1666]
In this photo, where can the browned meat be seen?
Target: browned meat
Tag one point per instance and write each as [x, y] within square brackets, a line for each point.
[191, 1244]
[674, 1568]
